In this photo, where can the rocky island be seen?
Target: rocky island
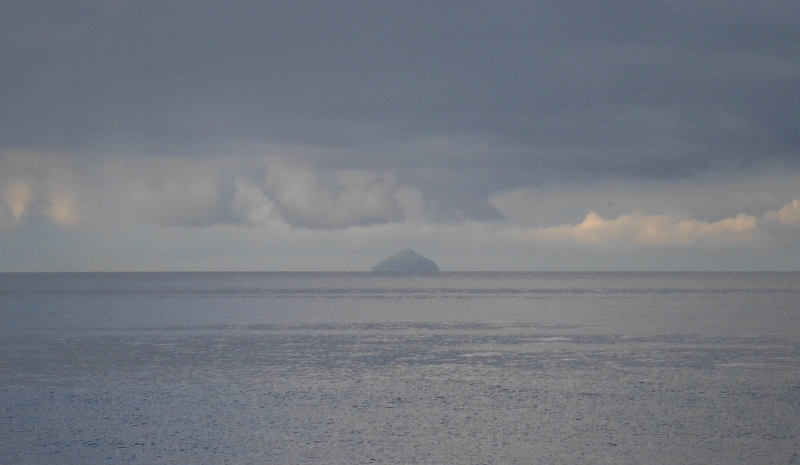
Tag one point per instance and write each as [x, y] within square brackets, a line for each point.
[407, 261]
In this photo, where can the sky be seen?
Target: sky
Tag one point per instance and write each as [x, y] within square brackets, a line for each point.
[485, 135]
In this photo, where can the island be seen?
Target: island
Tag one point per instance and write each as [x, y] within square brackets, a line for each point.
[407, 261]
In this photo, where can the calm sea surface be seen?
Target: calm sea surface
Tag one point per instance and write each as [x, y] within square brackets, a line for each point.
[452, 368]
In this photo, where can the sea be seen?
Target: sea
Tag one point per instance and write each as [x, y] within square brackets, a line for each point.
[445, 368]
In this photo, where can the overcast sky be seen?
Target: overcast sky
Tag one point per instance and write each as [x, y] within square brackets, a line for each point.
[486, 135]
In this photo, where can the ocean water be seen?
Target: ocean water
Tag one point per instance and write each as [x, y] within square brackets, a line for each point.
[452, 368]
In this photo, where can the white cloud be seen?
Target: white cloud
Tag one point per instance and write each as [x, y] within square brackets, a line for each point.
[654, 230]
[717, 197]
[640, 230]
[251, 206]
[185, 192]
[331, 200]
[789, 214]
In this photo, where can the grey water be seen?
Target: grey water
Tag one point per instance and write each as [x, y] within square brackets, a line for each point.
[447, 368]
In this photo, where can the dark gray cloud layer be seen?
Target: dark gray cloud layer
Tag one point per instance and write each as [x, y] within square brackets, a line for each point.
[460, 98]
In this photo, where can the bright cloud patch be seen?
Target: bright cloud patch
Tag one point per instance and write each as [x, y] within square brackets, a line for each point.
[251, 206]
[654, 230]
[333, 200]
[60, 205]
[789, 214]
[18, 197]
[34, 184]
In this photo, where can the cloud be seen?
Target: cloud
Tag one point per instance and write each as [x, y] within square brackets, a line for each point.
[60, 205]
[415, 209]
[37, 184]
[654, 230]
[251, 206]
[331, 200]
[661, 230]
[789, 214]
[18, 197]
[497, 130]
[187, 192]
[62, 208]
[608, 88]
[174, 192]
[302, 215]
[196, 193]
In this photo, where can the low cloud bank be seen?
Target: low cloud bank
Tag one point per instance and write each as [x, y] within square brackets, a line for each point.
[179, 192]
[654, 230]
[305, 198]
[277, 192]
[334, 200]
[789, 214]
[660, 230]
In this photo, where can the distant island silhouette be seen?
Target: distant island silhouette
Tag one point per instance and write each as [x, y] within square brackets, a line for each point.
[407, 261]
